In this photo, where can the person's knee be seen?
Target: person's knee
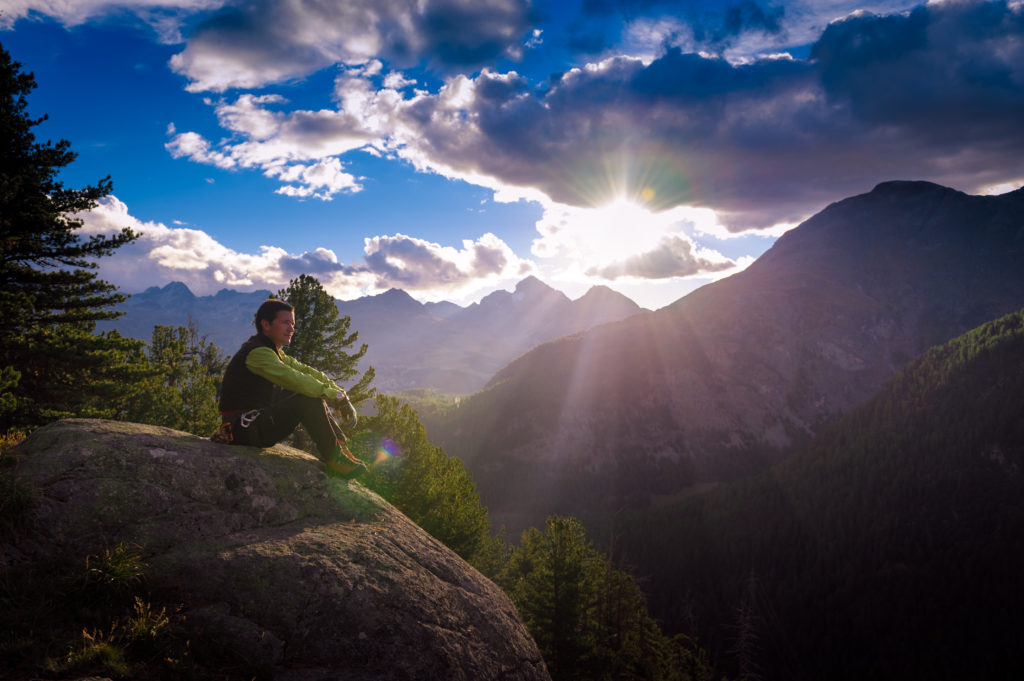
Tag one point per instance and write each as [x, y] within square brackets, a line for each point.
[308, 404]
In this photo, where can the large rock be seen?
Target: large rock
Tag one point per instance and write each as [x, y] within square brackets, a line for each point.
[315, 577]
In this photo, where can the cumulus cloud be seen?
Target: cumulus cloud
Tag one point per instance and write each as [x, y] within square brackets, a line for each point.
[321, 180]
[299, 148]
[192, 256]
[736, 29]
[937, 93]
[675, 256]
[266, 41]
[405, 262]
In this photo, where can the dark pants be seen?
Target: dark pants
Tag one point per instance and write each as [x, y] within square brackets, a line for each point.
[277, 422]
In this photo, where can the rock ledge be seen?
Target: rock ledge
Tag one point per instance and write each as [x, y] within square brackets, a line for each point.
[315, 577]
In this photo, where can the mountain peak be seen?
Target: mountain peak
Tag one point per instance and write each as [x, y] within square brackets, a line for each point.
[532, 285]
[905, 187]
[395, 294]
[175, 289]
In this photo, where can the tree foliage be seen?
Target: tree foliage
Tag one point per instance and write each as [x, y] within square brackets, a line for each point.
[50, 297]
[588, 617]
[435, 490]
[890, 548]
[181, 392]
[322, 338]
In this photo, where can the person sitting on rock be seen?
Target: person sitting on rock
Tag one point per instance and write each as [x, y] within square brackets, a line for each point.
[266, 394]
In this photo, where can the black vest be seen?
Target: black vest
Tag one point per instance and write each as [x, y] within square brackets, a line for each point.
[242, 389]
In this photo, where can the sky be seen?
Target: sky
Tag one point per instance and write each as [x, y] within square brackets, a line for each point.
[451, 148]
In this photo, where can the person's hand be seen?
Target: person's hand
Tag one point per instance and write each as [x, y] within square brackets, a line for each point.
[346, 412]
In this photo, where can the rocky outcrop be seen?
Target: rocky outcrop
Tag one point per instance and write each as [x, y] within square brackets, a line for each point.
[316, 578]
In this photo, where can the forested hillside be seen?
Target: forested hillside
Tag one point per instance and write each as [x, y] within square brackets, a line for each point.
[891, 548]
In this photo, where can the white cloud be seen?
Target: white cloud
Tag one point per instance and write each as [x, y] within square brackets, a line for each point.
[192, 146]
[397, 81]
[192, 256]
[412, 264]
[325, 175]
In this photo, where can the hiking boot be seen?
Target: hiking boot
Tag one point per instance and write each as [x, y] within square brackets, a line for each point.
[344, 464]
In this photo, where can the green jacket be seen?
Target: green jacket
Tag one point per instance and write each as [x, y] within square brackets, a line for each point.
[258, 366]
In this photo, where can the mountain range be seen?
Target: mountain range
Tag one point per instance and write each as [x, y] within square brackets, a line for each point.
[439, 346]
[736, 375]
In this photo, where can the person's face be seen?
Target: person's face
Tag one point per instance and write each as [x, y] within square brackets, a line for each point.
[281, 329]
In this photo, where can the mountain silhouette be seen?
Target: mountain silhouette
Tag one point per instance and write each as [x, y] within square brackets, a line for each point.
[734, 376]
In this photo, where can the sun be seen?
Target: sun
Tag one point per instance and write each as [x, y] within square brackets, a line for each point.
[616, 231]
[621, 228]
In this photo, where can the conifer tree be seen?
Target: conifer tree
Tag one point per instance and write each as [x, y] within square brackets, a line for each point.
[322, 338]
[435, 490]
[50, 297]
[181, 393]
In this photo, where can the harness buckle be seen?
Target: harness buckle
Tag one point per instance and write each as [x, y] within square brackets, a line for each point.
[246, 419]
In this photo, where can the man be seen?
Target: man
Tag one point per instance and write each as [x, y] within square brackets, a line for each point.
[266, 394]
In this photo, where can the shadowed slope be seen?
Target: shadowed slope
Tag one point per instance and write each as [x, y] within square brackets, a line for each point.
[890, 548]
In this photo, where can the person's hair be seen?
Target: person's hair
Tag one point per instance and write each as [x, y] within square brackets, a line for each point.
[268, 311]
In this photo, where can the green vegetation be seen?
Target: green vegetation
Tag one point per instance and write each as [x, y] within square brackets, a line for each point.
[429, 404]
[181, 390]
[891, 548]
[589, 618]
[435, 490]
[95, 617]
[322, 337]
[52, 365]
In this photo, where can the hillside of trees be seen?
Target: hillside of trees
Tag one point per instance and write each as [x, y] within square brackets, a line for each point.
[891, 548]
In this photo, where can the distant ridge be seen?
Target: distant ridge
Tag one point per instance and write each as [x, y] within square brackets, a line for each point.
[440, 346]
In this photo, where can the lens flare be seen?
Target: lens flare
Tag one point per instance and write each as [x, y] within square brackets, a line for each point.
[387, 450]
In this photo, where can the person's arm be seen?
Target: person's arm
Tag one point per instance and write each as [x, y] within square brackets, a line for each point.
[290, 374]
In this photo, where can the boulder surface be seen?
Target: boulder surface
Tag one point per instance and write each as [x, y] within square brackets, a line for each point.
[314, 578]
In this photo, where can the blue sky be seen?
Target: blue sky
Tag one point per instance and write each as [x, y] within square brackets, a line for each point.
[453, 147]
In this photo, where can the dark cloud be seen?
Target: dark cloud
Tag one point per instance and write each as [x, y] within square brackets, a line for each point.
[674, 257]
[410, 262]
[939, 71]
[934, 94]
[473, 32]
[488, 260]
[319, 262]
[256, 42]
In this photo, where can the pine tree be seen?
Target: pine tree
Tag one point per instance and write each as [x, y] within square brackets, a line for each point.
[435, 490]
[590, 619]
[50, 296]
[181, 393]
[322, 337]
